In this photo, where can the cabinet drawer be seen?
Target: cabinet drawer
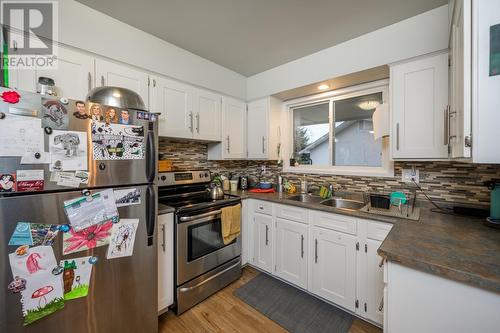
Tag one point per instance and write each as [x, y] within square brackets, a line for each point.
[292, 213]
[378, 230]
[336, 222]
[262, 207]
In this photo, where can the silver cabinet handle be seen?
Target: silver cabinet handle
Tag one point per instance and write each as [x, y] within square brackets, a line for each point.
[102, 80]
[447, 125]
[14, 43]
[89, 80]
[302, 246]
[263, 144]
[228, 144]
[381, 305]
[191, 122]
[316, 250]
[267, 235]
[397, 136]
[381, 263]
[154, 83]
[163, 245]
[198, 122]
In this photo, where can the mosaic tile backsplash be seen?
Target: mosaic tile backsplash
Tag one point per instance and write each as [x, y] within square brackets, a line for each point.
[442, 181]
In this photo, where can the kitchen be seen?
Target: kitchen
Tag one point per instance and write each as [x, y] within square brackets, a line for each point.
[381, 165]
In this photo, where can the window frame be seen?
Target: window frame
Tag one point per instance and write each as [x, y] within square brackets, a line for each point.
[387, 167]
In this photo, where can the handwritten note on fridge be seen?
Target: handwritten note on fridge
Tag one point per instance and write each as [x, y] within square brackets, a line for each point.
[19, 135]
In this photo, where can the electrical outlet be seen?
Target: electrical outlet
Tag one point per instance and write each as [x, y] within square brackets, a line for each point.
[263, 168]
[408, 174]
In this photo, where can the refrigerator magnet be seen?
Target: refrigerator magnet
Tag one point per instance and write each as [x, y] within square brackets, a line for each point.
[81, 110]
[54, 114]
[127, 197]
[30, 180]
[111, 115]
[10, 96]
[17, 285]
[57, 270]
[93, 260]
[7, 182]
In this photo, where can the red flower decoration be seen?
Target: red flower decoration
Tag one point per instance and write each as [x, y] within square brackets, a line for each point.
[10, 97]
[88, 237]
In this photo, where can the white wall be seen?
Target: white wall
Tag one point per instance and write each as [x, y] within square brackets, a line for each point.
[87, 29]
[418, 35]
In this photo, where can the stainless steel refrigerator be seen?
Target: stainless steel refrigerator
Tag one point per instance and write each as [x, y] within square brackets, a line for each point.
[123, 292]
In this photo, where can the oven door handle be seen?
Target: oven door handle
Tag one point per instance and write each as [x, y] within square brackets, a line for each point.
[200, 216]
[184, 289]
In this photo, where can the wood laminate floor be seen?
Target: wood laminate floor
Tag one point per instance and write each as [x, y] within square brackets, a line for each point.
[224, 312]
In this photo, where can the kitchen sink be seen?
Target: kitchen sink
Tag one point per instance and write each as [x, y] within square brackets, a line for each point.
[307, 198]
[343, 203]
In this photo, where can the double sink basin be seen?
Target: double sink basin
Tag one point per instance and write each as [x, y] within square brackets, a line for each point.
[337, 202]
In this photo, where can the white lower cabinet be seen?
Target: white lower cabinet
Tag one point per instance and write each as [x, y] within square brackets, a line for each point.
[333, 266]
[263, 242]
[165, 261]
[291, 251]
[374, 283]
[333, 256]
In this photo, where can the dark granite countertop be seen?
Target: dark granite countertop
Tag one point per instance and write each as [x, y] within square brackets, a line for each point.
[455, 247]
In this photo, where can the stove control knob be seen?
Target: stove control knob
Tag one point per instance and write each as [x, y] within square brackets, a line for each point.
[163, 178]
[206, 174]
[201, 175]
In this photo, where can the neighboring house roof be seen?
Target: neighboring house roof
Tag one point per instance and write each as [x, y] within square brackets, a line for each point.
[325, 137]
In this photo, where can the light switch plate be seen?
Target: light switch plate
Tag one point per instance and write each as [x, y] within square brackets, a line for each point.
[408, 174]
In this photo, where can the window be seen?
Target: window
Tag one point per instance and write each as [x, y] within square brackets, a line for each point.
[335, 133]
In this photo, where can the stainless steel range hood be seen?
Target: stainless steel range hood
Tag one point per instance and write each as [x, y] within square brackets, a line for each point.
[117, 97]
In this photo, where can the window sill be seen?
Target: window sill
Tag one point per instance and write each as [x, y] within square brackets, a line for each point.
[344, 171]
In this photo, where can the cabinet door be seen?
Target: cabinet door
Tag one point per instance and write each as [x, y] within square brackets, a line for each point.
[333, 264]
[263, 242]
[113, 74]
[257, 128]
[234, 128]
[174, 101]
[74, 74]
[291, 251]
[374, 282]
[207, 115]
[19, 78]
[460, 79]
[419, 106]
[165, 261]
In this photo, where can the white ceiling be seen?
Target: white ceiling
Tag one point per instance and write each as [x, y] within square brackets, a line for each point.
[251, 36]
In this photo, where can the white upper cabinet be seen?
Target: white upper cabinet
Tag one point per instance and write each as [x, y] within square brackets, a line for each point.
[419, 99]
[174, 101]
[486, 82]
[74, 76]
[460, 111]
[291, 251]
[264, 129]
[234, 121]
[333, 266]
[109, 73]
[207, 115]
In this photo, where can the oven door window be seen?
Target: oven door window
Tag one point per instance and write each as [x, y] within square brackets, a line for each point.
[205, 238]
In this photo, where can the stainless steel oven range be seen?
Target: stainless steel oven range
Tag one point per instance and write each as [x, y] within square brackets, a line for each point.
[203, 264]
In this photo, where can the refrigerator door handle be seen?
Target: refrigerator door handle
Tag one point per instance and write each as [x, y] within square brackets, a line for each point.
[151, 162]
[150, 214]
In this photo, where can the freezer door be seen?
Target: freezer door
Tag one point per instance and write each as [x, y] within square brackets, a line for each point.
[123, 291]
[108, 172]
